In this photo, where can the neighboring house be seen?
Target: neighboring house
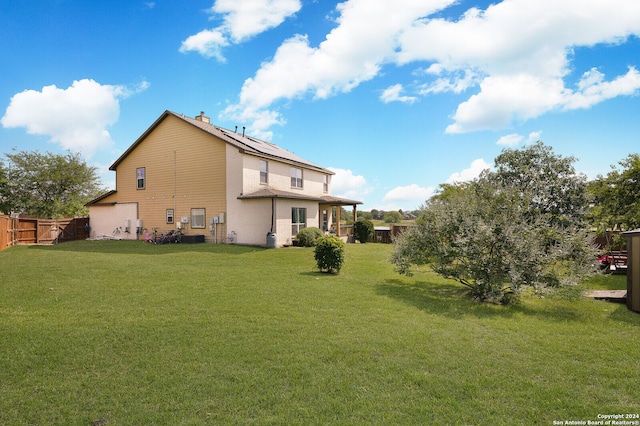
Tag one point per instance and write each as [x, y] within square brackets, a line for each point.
[231, 188]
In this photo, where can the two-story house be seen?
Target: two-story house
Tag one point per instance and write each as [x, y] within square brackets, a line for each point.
[187, 173]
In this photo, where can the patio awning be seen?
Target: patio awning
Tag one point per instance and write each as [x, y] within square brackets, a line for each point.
[276, 193]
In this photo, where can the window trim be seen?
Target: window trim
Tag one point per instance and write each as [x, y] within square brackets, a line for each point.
[295, 215]
[194, 223]
[170, 216]
[141, 171]
[264, 175]
[297, 182]
[325, 183]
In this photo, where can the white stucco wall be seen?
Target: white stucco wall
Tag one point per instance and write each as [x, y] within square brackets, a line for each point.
[105, 219]
[250, 220]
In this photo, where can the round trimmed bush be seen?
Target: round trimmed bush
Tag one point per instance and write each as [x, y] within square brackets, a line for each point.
[363, 230]
[329, 253]
[307, 237]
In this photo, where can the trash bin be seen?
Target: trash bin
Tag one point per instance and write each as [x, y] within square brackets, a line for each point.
[633, 269]
[271, 240]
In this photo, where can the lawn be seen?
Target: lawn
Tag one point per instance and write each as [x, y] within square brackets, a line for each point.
[127, 333]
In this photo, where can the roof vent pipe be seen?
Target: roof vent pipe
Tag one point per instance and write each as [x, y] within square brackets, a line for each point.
[243, 127]
[236, 130]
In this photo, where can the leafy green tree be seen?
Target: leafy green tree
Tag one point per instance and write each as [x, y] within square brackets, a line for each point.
[49, 185]
[329, 254]
[495, 236]
[393, 217]
[364, 215]
[547, 182]
[5, 198]
[616, 197]
[363, 230]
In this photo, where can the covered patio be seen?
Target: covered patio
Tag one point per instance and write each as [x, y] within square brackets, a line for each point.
[327, 203]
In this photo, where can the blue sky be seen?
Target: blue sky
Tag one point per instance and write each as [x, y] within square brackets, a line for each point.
[396, 97]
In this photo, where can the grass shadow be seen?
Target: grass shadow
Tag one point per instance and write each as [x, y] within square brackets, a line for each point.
[454, 301]
[126, 247]
[624, 314]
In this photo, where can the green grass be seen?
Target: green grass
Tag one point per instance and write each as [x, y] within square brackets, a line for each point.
[132, 333]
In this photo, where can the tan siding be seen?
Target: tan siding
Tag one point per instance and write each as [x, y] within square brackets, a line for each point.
[184, 169]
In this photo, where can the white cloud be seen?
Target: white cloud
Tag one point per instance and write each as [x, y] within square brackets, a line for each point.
[409, 195]
[455, 82]
[521, 49]
[592, 88]
[468, 174]
[515, 54]
[347, 185]
[77, 117]
[241, 21]
[208, 43]
[365, 38]
[514, 139]
[510, 140]
[392, 94]
[534, 137]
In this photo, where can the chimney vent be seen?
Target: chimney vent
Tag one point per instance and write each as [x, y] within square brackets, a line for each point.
[203, 118]
[243, 127]
[236, 130]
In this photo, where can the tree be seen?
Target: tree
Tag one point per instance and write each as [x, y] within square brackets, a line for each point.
[4, 191]
[49, 185]
[616, 197]
[364, 215]
[547, 182]
[494, 236]
[392, 217]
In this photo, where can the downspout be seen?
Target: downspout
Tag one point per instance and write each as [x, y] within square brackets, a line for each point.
[273, 212]
[175, 179]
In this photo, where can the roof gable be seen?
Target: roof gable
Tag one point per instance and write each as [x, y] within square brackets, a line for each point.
[244, 143]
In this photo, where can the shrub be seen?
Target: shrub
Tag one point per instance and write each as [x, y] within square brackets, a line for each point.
[363, 230]
[329, 253]
[307, 237]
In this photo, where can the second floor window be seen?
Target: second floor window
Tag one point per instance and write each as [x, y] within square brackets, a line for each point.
[140, 178]
[325, 183]
[296, 177]
[264, 172]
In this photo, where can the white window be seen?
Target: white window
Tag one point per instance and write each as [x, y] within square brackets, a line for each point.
[140, 173]
[264, 172]
[325, 183]
[169, 215]
[197, 218]
[298, 219]
[296, 177]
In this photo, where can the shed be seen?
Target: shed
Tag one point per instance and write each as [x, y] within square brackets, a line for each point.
[633, 269]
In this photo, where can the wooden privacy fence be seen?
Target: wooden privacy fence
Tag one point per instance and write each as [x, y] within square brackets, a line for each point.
[41, 231]
[8, 231]
[384, 234]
